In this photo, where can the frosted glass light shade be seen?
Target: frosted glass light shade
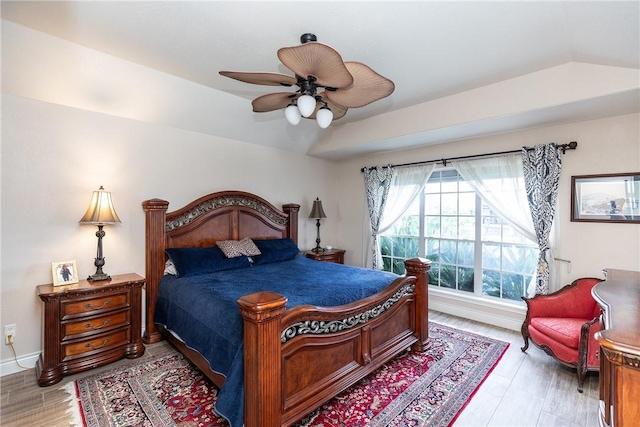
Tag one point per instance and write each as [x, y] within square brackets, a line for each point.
[324, 116]
[306, 105]
[292, 113]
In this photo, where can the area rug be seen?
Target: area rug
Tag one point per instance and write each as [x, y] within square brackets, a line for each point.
[429, 388]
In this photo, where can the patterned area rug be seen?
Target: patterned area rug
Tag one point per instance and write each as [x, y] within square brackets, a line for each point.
[430, 388]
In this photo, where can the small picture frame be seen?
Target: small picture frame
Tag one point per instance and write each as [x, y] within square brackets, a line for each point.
[64, 273]
[606, 198]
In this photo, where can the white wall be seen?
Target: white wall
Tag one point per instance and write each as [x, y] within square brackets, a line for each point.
[604, 146]
[63, 137]
[74, 119]
[53, 157]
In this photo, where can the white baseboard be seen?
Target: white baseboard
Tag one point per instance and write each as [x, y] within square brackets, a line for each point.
[486, 310]
[10, 366]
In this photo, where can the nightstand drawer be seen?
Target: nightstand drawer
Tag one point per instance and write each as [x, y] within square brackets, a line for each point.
[75, 308]
[101, 343]
[94, 325]
[327, 255]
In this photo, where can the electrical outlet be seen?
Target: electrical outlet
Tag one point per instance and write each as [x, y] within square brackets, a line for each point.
[9, 334]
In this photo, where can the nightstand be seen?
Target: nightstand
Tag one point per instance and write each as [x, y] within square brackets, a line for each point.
[89, 324]
[329, 255]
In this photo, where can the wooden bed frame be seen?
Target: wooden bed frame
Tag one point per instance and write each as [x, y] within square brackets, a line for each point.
[295, 359]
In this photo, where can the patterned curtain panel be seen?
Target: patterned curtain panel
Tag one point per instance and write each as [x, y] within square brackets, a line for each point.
[541, 167]
[377, 182]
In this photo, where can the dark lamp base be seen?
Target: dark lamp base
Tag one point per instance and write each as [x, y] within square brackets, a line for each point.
[318, 249]
[98, 277]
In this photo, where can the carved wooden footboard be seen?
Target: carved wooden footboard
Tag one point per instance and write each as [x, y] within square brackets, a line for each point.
[295, 359]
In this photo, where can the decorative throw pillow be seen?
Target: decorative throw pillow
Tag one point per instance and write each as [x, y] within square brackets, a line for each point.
[169, 268]
[236, 248]
[274, 250]
[194, 261]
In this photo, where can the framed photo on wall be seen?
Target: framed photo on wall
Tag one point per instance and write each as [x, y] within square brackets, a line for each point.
[64, 273]
[606, 198]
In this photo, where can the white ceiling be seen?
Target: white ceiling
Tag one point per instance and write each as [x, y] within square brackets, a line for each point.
[431, 50]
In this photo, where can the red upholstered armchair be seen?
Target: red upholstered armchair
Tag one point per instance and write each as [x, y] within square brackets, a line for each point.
[563, 324]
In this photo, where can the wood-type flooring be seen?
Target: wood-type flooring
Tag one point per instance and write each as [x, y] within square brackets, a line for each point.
[529, 389]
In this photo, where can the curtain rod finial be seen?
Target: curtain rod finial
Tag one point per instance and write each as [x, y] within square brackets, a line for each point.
[570, 146]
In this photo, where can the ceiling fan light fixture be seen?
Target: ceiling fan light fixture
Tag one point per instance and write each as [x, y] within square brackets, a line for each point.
[306, 105]
[292, 113]
[327, 85]
[324, 117]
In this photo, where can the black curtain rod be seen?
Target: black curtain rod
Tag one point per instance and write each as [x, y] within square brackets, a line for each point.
[564, 147]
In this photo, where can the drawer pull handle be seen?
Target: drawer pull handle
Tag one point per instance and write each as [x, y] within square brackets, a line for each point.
[90, 326]
[92, 347]
[91, 306]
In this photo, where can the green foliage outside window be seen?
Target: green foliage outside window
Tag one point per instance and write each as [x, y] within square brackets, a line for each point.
[451, 213]
[443, 274]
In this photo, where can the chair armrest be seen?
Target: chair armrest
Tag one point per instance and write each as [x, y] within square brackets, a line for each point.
[587, 326]
[585, 336]
[587, 330]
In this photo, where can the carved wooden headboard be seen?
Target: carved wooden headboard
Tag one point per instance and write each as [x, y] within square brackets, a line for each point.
[225, 215]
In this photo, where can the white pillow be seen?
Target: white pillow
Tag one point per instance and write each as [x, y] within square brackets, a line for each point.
[169, 268]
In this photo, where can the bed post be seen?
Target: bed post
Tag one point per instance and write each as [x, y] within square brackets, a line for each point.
[261, 312]
[419, 267]
[155, 213]
[292, 210]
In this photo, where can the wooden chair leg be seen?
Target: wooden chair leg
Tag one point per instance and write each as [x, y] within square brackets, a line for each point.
[582, 366]
[583, 349]
[582, 373]
[525, 335]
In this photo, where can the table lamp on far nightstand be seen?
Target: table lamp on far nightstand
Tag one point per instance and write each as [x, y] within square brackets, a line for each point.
[317, 213]
[100, 213]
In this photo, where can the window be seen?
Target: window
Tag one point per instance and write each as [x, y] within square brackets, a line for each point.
[471, 247]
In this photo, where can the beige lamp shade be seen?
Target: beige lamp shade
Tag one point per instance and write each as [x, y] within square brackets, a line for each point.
[100, 211]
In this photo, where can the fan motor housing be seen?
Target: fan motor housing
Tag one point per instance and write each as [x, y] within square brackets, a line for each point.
[308, 37]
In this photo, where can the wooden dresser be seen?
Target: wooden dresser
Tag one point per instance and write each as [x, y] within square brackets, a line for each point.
[619, 297]
[89, 324]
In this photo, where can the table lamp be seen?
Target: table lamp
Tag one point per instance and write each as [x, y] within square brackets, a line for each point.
[100, 213]
[317, 213]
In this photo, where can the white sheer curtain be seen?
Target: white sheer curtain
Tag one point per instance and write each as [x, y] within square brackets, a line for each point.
[406, 184]
[500, 183]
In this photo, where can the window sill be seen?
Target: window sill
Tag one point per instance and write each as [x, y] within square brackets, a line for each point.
[487, 310]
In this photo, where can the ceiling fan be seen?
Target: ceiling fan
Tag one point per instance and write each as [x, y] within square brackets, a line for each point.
[327, 86]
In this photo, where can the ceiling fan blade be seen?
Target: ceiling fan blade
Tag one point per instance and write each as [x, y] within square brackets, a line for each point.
[368, 86]
[273, 101]
[318, 60]
[268, 79]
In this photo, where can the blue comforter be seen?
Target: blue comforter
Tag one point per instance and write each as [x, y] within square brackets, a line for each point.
[202, 310]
